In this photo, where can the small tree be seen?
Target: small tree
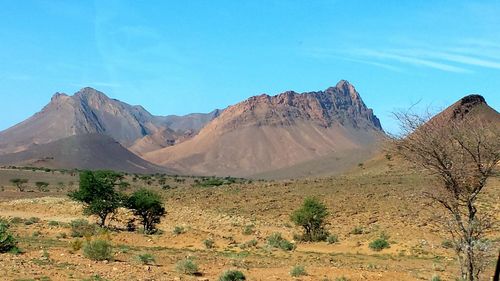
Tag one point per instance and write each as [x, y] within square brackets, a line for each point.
[19, 183]
[98, 194]
[148, 206]
[311, 217]
[461, 151]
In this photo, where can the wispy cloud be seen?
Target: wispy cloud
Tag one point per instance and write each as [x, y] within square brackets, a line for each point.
[463, 57]
[409, 59]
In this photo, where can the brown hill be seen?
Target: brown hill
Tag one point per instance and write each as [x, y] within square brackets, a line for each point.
[90, 111]
[266, 133]
[90, 151]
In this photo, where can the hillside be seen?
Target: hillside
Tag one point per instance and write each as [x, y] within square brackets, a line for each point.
[265, 133]
[89, 111]
[90, 151]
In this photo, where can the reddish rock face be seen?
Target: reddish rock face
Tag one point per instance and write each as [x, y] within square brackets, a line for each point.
[336, 105]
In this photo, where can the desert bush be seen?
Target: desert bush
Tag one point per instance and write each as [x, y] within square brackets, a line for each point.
[209, 243]
[7, 241]
[16, 220]
[311, 217]
[42, 186]
[146, 258]
[148, 206]
[357, 230]
[178, 230]
[98, 250]
[275, 240]
[436, 278]
[332, 239]
[232, 275]
[248, 244]
[31, 221]
[447, 244]
[187, 266]
[53, 223]
[342, 278]
[379, 244]
[76, 245]
[248, 229]
[82, 228]
[297, 271]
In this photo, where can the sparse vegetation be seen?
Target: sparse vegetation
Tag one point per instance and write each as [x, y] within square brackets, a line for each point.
[436, 278]
[98, 250]
[275, 240]
[7, 241]
[311, 217]
[178, 230]
[209, 243]
[332, 239]
[31, 221]
[82, 228]
[379, 244]
[298, 271]
[146, 258]
[187, 266]
[42, 186]
[357, 230]
[232, 275]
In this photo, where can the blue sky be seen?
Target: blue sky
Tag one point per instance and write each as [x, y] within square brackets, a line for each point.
[178, 57]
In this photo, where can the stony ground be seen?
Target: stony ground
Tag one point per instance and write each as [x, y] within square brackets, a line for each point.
[376, 199]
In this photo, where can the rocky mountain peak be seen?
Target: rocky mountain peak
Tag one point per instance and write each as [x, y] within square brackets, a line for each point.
[341, 104]
[466, 104]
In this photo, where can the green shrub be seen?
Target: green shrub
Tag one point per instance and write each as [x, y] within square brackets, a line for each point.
[232, 275]
[275, 240]
[447, 244]
[187, 266]
[178, 230]
[332, 239]
[249, 244]
[42, 186]
[76, 245]
[82, 228]
[311, 217]
[146, 258]
[31, 221]
[53, 223]
[357, 230]
[297, 271]
[379, 244]
[248, 229]
[436, 278]
[209, 243]
[7, 241]
[98, 250]
[16, 220]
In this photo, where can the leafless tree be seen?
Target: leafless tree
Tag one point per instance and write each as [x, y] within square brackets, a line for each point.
[462, 152]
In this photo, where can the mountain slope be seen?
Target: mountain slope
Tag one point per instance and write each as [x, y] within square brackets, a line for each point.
[267, 133]
[89, 111]
[90, 151]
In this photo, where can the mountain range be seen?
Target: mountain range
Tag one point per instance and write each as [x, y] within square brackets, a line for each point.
[283, 136]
